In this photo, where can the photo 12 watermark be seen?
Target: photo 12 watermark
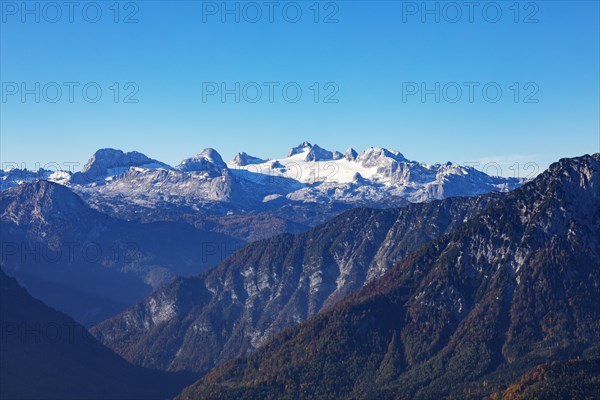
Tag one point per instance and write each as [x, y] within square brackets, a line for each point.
[253, 12]
[270, 92]
[88, 252]
[521, 169]
[470, 92]
[54, 12]
[70, 92]
[453, 12]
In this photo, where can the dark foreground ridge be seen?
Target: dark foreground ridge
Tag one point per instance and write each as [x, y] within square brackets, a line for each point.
[47, 355]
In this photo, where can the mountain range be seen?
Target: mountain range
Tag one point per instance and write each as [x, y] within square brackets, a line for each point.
[514, 287]
[204, 189]
[318, 275]
[91, 265]
[93, 242]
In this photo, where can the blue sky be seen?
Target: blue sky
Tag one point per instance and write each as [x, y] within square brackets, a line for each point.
[371, 57]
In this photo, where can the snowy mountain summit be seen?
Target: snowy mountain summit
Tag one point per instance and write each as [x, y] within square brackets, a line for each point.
[309, 174]
[106, 163]
[208, 160]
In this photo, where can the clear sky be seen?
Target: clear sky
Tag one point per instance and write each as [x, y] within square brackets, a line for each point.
[371, 61]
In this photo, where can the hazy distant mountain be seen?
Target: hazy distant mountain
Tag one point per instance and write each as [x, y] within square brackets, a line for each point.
[513, 287]
[195, 323]
[47, 355]
[88, 264]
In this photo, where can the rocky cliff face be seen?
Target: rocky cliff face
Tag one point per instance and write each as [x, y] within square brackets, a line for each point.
[196, 323]
[514, 286]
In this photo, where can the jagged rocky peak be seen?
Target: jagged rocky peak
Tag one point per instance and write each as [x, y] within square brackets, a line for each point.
[299, 149]
[242, 159]
[583, 166]
[208, 160]
[576, 174]
[375, 157]
[351, 154]
[315, 153]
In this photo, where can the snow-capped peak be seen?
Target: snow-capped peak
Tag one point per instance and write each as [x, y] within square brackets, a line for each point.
[308, 152]
[301, 148]
[208, 160]
[309, 174]
[104, 159]
[107, 163]
[211, 155]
